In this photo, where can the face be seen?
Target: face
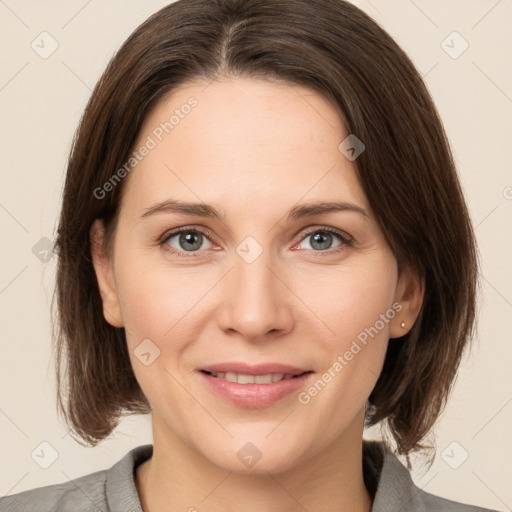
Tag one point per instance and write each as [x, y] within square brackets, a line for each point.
[254, 283]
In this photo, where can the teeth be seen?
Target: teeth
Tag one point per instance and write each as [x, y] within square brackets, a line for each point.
[241, 378]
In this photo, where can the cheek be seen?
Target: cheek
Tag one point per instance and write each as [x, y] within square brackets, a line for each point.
[351, 299]
[355, 310]
[154, 296]
[161, 320]
[163, 305]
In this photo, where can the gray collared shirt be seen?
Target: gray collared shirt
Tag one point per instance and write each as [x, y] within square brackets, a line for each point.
[114, 490]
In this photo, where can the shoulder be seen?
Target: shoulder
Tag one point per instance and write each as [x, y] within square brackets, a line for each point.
[435, 503]
[81, 494]
[395, 490]
[107, 490]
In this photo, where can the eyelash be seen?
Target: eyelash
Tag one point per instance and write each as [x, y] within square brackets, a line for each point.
[346, 239]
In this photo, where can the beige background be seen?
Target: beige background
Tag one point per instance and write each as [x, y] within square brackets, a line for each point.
[41, 101]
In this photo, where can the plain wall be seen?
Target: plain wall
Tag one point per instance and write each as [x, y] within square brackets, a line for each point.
[41, 101]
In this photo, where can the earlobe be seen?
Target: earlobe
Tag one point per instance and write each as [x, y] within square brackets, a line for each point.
[409, 294]
[104, 275]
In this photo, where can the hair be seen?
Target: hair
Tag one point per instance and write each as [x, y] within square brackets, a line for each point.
[406, 171]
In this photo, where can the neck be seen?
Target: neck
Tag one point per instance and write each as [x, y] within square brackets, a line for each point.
[179, 478]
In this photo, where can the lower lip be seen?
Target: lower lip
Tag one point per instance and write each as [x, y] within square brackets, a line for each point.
[254, 395]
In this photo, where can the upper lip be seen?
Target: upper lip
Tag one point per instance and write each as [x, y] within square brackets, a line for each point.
[257, 369]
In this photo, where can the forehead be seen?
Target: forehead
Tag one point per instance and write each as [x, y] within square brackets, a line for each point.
[243, 142]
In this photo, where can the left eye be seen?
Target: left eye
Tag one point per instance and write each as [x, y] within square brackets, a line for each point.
[321, 239]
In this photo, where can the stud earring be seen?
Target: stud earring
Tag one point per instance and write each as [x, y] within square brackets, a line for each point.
[402, 325]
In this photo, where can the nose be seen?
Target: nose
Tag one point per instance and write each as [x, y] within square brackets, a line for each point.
[256, 301]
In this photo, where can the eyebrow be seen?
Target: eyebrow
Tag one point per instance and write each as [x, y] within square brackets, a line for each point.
[207, 211]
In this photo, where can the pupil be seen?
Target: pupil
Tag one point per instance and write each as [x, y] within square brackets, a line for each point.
[188, 238]
[317, 238]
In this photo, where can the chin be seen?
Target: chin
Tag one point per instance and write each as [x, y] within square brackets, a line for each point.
[250, 460]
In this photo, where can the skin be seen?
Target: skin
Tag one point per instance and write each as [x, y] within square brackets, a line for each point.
[253, 150]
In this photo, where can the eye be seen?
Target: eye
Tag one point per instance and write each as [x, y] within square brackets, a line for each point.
[187, 240]
[323, 237]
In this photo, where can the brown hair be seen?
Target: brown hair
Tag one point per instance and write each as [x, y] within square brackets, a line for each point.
[406, 171]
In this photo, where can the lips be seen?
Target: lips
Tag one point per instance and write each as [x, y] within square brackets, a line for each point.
[259, 369]
[254, 395]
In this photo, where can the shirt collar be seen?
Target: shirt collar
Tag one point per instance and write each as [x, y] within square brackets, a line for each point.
[395, 489]
[386, 477]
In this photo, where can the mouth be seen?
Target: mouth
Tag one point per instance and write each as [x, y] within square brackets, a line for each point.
[255, 389]
[242, 378]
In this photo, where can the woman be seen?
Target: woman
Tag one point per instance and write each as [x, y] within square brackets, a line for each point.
[263, 243]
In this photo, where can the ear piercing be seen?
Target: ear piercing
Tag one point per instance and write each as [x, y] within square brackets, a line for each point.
[402, 325]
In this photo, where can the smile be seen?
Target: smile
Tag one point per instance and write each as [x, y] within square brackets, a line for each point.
[242, 378]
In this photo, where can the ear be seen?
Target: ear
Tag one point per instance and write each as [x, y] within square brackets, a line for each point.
[105, 275]
[409, 294]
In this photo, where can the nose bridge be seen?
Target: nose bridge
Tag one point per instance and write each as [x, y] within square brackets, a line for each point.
[257, 299]
[255, 276]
